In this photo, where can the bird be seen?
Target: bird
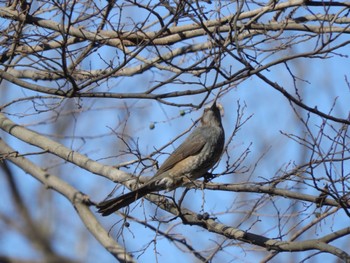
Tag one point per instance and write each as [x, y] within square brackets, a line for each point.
[200, 151]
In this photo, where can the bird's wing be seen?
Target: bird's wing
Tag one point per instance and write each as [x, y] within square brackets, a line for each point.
[191, 146]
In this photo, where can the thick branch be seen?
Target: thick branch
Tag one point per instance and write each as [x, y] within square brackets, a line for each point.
[271, 190]
[61, 151]
[78, 200]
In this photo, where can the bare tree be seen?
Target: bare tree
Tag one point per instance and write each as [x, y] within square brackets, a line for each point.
[94, 94]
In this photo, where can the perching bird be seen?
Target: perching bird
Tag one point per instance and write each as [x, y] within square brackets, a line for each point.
[190, 161]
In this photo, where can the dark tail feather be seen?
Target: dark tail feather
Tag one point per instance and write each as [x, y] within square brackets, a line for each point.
[110, 206]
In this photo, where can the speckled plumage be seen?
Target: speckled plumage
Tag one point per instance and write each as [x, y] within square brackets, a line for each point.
[191, 160]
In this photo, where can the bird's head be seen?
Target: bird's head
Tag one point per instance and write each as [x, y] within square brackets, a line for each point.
[212, 115]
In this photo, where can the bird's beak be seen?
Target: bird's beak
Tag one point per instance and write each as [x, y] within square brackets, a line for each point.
[213, 106]
[219, 107]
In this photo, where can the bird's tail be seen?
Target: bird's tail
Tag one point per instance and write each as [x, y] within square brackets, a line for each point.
[110, 206]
